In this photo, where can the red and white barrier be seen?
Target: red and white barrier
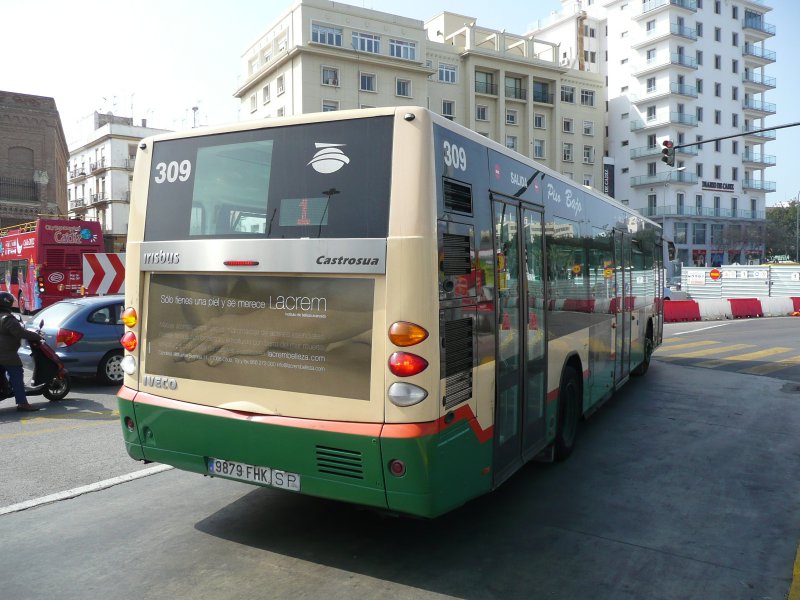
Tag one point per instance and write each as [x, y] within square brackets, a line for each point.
[731, 308]
[104, 274]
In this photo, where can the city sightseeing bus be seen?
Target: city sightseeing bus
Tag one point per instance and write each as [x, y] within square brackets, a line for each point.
[376, 306]
[41, 262]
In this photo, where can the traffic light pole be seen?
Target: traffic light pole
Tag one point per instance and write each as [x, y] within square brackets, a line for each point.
[727, 137]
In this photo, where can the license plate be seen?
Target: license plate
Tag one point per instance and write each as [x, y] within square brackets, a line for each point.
[253, 474]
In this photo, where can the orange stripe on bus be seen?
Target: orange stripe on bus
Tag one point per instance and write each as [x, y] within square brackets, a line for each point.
[389, 430]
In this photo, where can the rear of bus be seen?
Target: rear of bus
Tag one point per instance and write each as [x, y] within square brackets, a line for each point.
[283, 327]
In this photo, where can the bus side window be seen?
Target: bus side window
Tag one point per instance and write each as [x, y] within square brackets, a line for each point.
[14, 278]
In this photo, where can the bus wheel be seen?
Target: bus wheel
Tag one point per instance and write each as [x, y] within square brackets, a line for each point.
[569, 413]
[648, 352]
[23, 309]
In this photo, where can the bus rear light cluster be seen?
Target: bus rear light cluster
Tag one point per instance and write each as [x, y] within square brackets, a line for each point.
[129, 341]
[406, 334]
[406, 394]
[405, 364]
[67, 337]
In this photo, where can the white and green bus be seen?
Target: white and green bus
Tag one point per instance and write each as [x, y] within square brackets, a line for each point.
[375, 306]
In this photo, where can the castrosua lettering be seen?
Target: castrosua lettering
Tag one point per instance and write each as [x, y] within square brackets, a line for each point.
[346, 260]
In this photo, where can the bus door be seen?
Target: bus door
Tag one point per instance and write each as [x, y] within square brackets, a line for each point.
[623, 301]
[520, 339]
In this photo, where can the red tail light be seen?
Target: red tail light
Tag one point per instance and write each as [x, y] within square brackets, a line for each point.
[129, 341]
[67, 337]
[405, 364]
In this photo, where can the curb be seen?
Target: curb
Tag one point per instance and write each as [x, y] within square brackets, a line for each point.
[676, 311]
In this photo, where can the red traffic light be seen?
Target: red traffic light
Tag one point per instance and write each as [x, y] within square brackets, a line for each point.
[667, 144]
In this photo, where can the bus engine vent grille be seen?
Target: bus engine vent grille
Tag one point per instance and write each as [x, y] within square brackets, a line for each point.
[55, 258]
[458, 352]
[337, 461]
[457, 197]
[456, 255]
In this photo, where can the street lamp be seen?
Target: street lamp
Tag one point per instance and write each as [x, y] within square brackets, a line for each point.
[666, 185]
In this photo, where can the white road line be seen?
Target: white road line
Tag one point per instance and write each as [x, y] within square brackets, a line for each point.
[701, 329]
[78, 491]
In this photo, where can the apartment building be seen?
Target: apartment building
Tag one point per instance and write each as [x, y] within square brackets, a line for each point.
[685, 71]
[323, 56]
[99, 174]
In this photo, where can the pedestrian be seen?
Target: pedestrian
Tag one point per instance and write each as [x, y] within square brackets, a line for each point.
[11, 333]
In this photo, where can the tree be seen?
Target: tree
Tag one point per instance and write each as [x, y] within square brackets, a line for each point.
[782, 229]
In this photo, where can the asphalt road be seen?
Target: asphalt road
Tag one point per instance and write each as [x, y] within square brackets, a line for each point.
[683, 486]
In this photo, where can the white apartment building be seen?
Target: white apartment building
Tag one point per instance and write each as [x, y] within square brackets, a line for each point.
[322, 56]
[99, 174]
[685, 71]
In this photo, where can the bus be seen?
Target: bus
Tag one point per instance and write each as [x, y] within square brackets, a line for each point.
[375, 306]
[41, 262]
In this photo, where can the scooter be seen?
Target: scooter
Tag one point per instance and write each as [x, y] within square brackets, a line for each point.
[50, 379]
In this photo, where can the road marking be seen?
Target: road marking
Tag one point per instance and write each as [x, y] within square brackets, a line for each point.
[83, 415]
[710, 364]
[701, 329]
[794, 591]
[674, 346]
[79, 491]
[20, 434]
[707, 351]
[771, 367]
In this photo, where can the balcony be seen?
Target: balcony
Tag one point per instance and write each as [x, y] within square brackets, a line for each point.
[482, 87]
[516, 93]
[651, 5]
[683, 31]
[77, 203]
[759, 54]
[77, 174]
[682, 89]
[758, 184]
[765, 108]
[669, 177]
[679, 118]
[96, 166]
[750, 130]
[758, 80]
[754, 158]
[645, 151]
[676, 58]
[95, 198]
[699, 211]
[756, 26]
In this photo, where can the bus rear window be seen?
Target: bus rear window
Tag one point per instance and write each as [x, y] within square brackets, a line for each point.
[323, 180]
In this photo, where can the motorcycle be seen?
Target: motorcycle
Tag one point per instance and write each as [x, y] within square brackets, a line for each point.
[49, 378]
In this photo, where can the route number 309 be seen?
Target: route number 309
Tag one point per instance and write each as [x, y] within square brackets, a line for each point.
[455, 156]
[173, 171]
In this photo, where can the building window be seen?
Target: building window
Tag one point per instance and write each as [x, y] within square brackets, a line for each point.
[447, 73]
[717, 61]
[481, 113]
[330, 76]
[403, 88]
[717, 146]
[566, 154]
[651, 85]
[734, 93]
[281, 111]
[324, 34]
[735, 13]
[449, 109]
[568, 94]
[539, 121]
[718, 90]
[717, 117]
[717, 7]
[367, 42]
[566, 125]
[735, 39]
[717, 34]
[511, 142]
[650, 26]
[588, 155]
[734, 173]
[735, 65]
[717, 172]
[587, 179]
[538, 148]
[367, 82]
[484, 83]
[280, 85]
[253, 103]
[698, 27]
[403, 49]
[735, 120]
[699, 57]
[699, 85]
[651, 113]
[330, 105]
[734, 148]
[680, 232]
[265, 94]
[511, 117]
[699, 114]
[698, 169]
[716, 229]
[699, 233]
[588, 128]
[588, 31]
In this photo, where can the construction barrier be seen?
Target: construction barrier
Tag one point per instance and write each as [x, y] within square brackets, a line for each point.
[681, 310]
[676, 311]
[745, 308]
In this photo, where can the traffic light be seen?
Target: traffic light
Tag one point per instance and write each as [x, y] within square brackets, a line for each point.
[668, 153]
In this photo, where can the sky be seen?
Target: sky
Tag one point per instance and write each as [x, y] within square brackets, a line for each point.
[157, 59]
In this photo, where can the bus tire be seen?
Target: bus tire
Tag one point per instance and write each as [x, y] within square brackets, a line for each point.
[109, 371]
[569, 413]
[648, 353]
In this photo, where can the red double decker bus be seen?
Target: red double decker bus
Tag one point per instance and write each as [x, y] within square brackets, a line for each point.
[41, 262]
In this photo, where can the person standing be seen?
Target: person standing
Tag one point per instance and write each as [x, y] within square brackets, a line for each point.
[11, 334]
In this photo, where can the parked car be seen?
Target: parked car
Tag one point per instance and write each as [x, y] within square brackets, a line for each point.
[85, 334]
[673, 291]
